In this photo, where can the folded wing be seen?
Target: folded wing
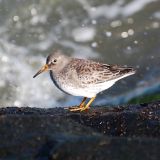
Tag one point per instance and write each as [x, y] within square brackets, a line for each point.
[90, 72]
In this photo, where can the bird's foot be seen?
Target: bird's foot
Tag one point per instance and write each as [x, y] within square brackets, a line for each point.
[73, 109]
[84, 108]
[77, 108]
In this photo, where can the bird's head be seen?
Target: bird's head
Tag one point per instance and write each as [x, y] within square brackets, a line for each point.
[55, 62]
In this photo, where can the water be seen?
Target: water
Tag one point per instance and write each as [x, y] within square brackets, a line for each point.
[118, 31]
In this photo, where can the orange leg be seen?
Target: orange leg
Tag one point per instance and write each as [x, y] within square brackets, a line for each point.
[88, 104]
[81, 106]
[83, 102]
[72, 109]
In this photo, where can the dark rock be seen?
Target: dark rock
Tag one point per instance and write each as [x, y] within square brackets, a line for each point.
[124, 132]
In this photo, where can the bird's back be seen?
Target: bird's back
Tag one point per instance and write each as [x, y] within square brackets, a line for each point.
[91, 72]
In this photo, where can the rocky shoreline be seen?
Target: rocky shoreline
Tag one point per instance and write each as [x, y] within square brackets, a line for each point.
[123, 132]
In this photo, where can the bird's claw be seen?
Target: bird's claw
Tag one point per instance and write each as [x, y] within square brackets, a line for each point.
[74, 109]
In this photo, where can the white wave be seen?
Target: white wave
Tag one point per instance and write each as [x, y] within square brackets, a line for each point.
[17, 77]
[115, 9]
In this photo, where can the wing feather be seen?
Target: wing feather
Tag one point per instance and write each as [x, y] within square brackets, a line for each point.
[90, 72]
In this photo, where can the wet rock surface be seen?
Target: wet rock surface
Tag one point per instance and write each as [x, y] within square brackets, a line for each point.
[123, 132]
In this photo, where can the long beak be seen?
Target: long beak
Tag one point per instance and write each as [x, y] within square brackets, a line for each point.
[44, 68]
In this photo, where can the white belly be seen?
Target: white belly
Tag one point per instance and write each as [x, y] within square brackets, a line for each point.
[89, 91]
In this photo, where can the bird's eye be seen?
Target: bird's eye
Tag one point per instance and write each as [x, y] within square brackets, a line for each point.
[54, 60]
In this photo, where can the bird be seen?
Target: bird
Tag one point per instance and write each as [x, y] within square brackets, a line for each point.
[82, 77]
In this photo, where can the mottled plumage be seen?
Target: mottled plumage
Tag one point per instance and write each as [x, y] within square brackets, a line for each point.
[81, 77]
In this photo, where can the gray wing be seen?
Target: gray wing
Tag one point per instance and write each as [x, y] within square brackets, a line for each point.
[90, 72]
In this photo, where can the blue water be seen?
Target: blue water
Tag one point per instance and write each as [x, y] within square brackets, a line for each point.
[116, 32]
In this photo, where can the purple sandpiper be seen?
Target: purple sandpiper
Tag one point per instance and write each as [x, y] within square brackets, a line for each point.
[82, 77]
